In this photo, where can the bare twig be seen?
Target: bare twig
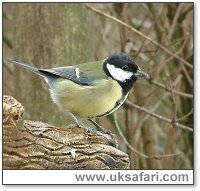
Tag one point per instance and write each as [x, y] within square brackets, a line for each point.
[129, 103]
[158, 84]
[185, 116]
[158, 157]
[185, 71]
[173, 101]
[174, 22]
[139, 33]
[153, 108]
[149, 30]
[187, 75]
[180, 50]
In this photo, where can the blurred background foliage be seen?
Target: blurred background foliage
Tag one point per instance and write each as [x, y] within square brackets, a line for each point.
[58, 34]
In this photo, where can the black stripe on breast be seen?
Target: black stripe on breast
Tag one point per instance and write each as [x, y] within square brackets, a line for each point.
[113, 109]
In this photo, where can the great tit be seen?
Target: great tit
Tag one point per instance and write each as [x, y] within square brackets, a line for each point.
[93, 89]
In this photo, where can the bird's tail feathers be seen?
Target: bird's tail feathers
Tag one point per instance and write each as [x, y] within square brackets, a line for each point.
[28, 67]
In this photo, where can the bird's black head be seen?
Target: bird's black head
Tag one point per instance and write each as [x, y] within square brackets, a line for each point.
[123, 69]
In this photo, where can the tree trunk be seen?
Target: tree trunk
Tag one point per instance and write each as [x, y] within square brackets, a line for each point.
[48, 35]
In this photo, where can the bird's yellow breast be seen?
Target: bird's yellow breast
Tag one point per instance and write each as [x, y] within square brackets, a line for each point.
[86, 101]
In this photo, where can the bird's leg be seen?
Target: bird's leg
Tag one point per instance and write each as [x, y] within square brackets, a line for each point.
[99, 128]
[75, 119]
[78, 122]
[103, 132]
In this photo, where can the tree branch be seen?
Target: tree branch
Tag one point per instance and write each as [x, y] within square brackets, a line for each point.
[139, 33]
[160, 85]
[129, 103]
[38, 145]
[158, 157]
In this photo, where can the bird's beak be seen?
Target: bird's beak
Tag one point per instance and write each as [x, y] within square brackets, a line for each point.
[140, 73]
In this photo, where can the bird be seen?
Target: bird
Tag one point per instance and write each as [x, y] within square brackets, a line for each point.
[93, 89]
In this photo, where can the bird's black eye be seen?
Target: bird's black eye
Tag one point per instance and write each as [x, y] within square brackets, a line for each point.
[125, 67]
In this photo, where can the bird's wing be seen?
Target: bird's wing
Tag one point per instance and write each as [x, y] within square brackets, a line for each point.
[82, 74]
[70, 74]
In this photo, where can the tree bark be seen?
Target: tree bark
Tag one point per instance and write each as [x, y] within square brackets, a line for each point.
[38, 145]
[48, 35]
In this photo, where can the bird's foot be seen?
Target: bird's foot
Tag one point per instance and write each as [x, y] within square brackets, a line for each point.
[79, 124]
[87, 128]
[100, 129]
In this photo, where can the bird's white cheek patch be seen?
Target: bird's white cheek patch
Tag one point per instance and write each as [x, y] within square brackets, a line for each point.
[119, 74]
